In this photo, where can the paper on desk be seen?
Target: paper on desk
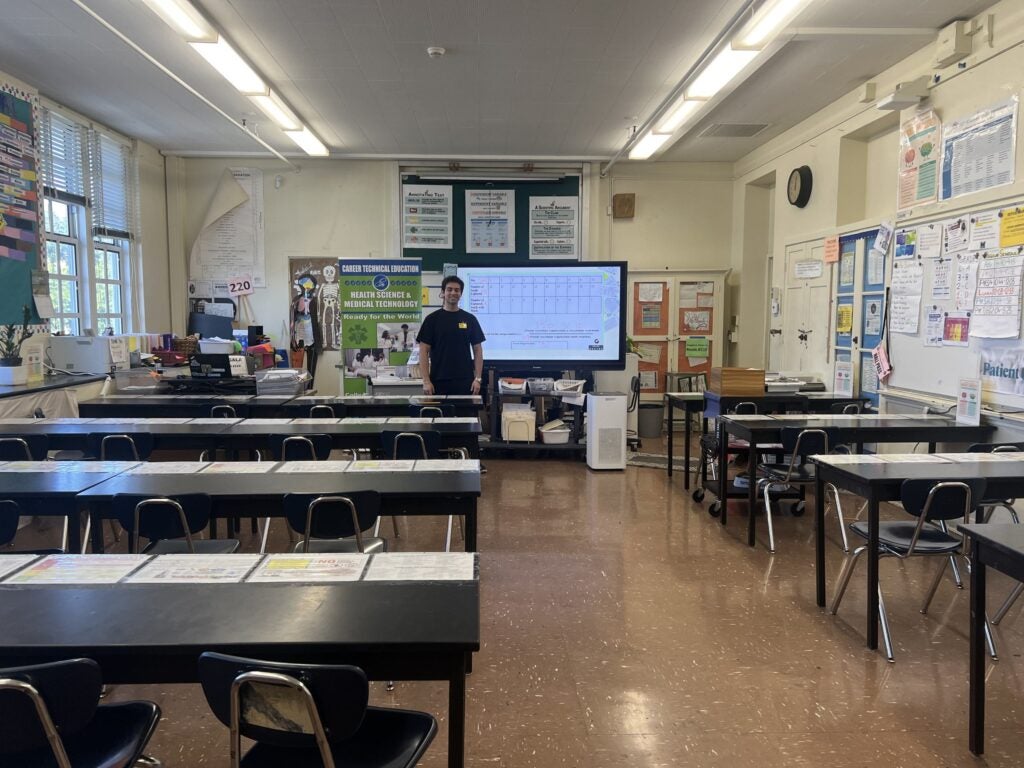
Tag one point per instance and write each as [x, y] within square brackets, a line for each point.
[421, 566]
[214, 421]
[751, 417]
[168, 421]
[238, 467]
[365, 420]
[314, 421]
[312, 466]
[410, 420]
[972, 457]
[297, 568]
[69, 467]
[168, 468]
[78, 569]
[19, 421]
[911, 458]
[268, 422]
[458, 419]
[10, 563]
[195, 569]
[402, 465]
[853, 458]
[67, 420]
[447, 465]
[121, 420]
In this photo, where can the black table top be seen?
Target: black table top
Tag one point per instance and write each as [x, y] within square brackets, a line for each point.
[888, 472]
[867, 428]
[1006, 538]
[273, 484]
[67, 482]
[124, 625]
[48, 383]
[237, 426]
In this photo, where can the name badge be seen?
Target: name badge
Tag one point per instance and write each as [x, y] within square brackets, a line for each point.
[463, 326]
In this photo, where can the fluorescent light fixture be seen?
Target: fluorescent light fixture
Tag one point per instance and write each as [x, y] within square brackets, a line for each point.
[719, 71]
[308, 142]
[182, 16]
[679, 114]
[278, 111]
[648, 145]
[771, 17]
[233, 67]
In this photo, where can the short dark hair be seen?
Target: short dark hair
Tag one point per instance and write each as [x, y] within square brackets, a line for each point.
[453, 279]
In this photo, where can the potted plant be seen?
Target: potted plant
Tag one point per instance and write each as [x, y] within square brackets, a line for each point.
[11, 338]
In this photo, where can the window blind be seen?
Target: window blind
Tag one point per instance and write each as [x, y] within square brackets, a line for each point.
[61, 144]
[112, 187]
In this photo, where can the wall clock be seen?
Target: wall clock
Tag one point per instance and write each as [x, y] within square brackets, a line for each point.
[798, 189]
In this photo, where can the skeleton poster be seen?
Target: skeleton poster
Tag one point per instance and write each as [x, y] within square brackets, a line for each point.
[315, 303]
[380, 314]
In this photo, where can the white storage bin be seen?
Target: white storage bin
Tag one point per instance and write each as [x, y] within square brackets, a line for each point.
[569, 385]
[512, 386]
[518, 426]
[540, 386]
[216, 347]
[557, 436]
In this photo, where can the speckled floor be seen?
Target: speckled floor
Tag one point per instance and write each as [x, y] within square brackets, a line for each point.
[623, 626]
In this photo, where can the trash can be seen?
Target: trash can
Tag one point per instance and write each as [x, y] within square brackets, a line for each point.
[649, 419]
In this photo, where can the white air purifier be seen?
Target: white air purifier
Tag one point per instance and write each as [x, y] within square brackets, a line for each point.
[606, 430]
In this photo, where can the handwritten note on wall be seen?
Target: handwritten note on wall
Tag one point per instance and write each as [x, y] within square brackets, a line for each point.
[997, 299]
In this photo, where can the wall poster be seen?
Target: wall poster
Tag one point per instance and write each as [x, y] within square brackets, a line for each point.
[380, 316]
[490, 221]
[426, 216]
[315, 303]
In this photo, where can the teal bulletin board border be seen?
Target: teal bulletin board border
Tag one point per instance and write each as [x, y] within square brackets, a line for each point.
[19, 205]
[435, 259]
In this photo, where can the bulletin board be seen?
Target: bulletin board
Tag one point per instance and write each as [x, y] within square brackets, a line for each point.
[19, 206]
[653, 365]
[969, 321]
[455, 251]
[650, 308]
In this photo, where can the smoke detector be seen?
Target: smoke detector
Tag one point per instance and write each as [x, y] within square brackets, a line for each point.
[435, 51]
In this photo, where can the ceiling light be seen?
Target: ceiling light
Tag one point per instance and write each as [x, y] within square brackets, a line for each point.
[233, 67]
[678, 115]
[277, 110]
[720, 70]
[767, 21]
[648, 145]
[309, 143]
[182, 17]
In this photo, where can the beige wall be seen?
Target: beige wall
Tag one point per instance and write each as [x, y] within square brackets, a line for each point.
[155, 314]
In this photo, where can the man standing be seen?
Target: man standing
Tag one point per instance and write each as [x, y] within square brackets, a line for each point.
[445, 339]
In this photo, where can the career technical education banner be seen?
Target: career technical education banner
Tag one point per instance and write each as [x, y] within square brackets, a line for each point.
[380, 317]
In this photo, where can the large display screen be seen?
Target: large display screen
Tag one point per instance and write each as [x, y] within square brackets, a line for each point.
[565, 315]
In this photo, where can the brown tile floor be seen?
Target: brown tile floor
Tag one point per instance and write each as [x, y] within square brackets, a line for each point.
[622, 626]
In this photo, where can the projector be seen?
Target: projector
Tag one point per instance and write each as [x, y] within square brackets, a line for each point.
[906, 95]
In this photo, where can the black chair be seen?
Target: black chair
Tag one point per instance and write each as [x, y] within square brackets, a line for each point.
[335, 523]
[780, 479]
[10, 512]
[849, 407]
[24, 447]
[50, 715]
[322, 412]
[169, 524]
[223, 411]
[931, 502]
[310, 447]
[110, 447]
[309, 716]
[425, 445]
[433, 410]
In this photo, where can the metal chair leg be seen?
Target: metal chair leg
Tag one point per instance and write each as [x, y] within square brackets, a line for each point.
[883, 620]
[768, 517]
[839, 514]
[1008, 603]
[448, 535]
[394, 525]
[88, 534]
[844, 579]
[934, 586]
[266, 533]
[64, 534]
[952, 559]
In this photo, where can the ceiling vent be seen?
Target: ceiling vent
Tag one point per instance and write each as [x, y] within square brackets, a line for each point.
[733, 130]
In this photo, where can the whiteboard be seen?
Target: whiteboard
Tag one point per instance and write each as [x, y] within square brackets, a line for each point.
[938, 370]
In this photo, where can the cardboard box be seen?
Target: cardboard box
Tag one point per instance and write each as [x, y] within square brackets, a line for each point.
[742, 382]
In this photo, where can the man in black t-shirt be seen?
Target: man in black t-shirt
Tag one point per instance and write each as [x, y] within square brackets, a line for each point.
[445, 339]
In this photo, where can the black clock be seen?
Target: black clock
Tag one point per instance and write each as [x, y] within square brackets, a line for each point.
[798, 189]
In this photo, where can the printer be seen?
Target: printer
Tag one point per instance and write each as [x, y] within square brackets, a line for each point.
[88, 354]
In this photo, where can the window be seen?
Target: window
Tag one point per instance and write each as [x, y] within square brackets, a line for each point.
[90, 188]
